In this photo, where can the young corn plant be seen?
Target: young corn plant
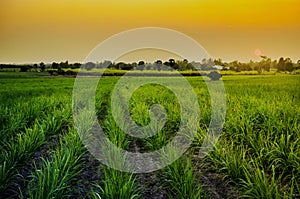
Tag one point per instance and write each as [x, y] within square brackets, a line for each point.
[179, 176]
[260, 185]
[231, 161]
[54, 179]
[116, 184]
[19, 151]
[285, 156]
[180, 180]
[53, 123]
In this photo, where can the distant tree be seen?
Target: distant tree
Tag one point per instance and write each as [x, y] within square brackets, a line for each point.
[105, 64]
[182, 65]
[141, 65]
[148, 66]
[124, 66]
[190, 66]
[54, 65]
[64, 64]
[76, 65]
[128, 67]
[61, 65]
[158, 64]
[218, 62]
[35, 66]
[274, 64]
[234, 66]
[89, 65]
[134, 65]
[42, 66]
[289, 66]
[172, 62]
[207, 64]
[24, 68]
[259, 67]
[120, 65]
[281, 64]
[112, 65]
[298, 64]
[285, 64]
[263, 65]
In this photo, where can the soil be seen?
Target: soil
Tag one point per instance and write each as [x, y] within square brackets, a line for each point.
[213, 183]
[89, 176]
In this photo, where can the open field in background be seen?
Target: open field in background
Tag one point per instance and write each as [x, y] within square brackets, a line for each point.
[15, 72]
[257, 155]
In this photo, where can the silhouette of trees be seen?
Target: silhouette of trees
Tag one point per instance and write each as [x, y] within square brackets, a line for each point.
[297, 65]
[89, 65]
[159, 62]
[42, 66]
[24, 68]
[141, 65]
[64, 64]
[54, 65]
[173, 64]
[265, 64]
[158, 65]
[218, 62]
[105, 64]
[285, 64]
[76, 65]
[182, 65]
[35, 66]
[289, 64]
[124, 66]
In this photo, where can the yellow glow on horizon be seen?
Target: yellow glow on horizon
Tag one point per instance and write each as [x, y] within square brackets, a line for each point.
[253, 12]
[28, 25]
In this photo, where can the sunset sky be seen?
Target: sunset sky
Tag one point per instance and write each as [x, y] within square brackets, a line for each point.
[52, 30]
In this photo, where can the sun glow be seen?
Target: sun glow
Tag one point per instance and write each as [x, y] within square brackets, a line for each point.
[257, 52]
[52, 30]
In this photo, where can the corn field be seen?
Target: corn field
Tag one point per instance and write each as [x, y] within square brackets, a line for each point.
[257, 154]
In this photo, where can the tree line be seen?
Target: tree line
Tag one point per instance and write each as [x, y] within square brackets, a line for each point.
[265, 64]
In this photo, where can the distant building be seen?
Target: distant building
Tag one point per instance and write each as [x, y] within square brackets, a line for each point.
[217, 67]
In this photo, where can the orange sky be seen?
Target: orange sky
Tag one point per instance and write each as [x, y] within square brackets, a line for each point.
[52, 30]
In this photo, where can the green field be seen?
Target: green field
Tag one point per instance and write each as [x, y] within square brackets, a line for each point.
[257, 154]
